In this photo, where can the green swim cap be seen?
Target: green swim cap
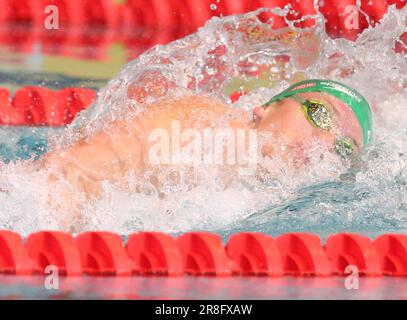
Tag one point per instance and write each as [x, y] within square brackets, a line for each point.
[348, 95]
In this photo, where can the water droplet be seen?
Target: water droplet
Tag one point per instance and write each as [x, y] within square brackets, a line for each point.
[213, 7]
[210, 71]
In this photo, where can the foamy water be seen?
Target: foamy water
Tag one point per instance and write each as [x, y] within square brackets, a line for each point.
[369, 196]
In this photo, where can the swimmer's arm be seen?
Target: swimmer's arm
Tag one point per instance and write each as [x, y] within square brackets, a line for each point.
[77, 173]
[105, 156]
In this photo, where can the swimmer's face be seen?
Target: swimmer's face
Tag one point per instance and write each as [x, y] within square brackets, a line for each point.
[293, 133]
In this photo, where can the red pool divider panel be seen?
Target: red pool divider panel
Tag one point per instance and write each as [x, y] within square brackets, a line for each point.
[202, 254]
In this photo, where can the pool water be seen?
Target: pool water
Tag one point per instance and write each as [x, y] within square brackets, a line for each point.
[20, 287]
[22, 143]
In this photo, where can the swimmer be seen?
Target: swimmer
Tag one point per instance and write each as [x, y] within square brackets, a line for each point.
[329, 112]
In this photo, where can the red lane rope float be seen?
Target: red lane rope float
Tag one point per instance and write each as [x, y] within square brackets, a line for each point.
[352, 249]
[301, 9]
[278, 21]
[345, 20]
[303, 255]
[55, 248]
[154, 254]
[103, 253]
[103, 13]
[86, 12]
[69, 12]
[255, 254]
[163, 21]
[14, 258]
[152, 21]
[392, 251]
[399, 3]
[202, 254]
[16, 12]
[401, 45]
[39, 106]
[8, 114]
[72, 101]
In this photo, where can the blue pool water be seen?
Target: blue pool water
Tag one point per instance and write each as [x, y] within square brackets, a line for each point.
[22, 143]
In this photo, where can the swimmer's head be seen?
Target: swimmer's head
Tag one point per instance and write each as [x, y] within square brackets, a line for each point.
[323, 110]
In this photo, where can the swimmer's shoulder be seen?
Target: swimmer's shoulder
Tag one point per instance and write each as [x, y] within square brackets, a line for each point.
[191, 106]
